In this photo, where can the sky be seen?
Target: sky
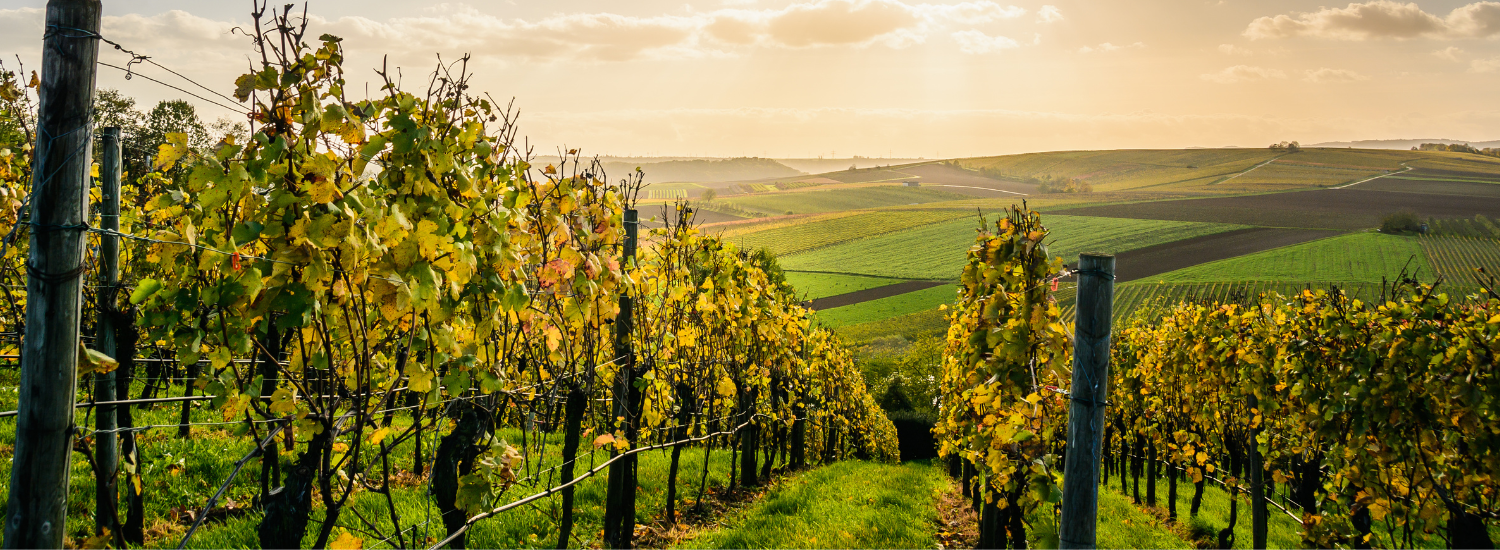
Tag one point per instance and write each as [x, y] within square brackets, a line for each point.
[880, 78]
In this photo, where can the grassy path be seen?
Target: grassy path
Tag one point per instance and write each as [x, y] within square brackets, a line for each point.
[850, 504]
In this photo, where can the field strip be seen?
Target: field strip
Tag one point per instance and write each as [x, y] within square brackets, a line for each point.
[1252, 169]
[1408, 169]
[861, 296]
[972, 187]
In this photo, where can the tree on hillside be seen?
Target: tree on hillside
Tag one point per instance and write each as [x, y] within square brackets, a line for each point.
[708, 195]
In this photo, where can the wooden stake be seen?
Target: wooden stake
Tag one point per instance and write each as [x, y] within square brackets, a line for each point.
[1080, 501]
[106, 451]
[37, 514]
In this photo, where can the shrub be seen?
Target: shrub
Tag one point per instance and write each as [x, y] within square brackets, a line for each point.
[1401, 222]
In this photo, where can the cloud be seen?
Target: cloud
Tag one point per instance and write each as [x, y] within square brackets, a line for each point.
[1449, 53]
[1049, 14]
[1243, 73]
[1381, 19]
[848, 22]
[1485, 65]
[1231, 49]
[1325, 75]
[1107, 47]
[976, 42]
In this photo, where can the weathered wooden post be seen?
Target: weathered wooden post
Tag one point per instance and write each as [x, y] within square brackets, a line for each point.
[619, 502]
[106, 451]
[1080, 501]
[37, 513]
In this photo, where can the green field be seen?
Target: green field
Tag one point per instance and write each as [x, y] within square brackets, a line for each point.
[802, 237]
[886, 308]
[849, 504]
[811, 202]
[910, 326]
[937, 252]
[811, 286]
[1356, 257]
[1456, 258]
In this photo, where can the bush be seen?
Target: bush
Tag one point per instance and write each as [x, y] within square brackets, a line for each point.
[1401, 222]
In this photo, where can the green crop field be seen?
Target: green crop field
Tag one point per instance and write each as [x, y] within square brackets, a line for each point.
[1356, 257]
[811, 286]
[937, 252]
[911, 325]
[1456, 258]
[812, 235]
[886, 308]
[1132, 296]
[832, 200]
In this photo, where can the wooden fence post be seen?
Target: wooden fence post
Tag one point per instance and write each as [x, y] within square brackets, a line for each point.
[37, 514]
[619, 502]
[106, 452]
[1080, 501]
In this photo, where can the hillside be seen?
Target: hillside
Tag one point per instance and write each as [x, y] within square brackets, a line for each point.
[704, 170]
[1403, 144]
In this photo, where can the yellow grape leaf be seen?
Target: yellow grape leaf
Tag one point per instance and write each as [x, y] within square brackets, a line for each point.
[379, 435]
[324, 191]
[168, 153]
[94, 170]
[418, 380]
[603, 440]
[283, 401]
[347, 541]
[91, 361]
[35, 82]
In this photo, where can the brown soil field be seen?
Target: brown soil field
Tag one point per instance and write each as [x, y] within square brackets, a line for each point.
[858, 296]
[1402, 185]
[700, 217]
[1154, 260]
[1345, 209]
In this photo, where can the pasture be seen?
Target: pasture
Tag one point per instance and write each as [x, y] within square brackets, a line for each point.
[936, 252]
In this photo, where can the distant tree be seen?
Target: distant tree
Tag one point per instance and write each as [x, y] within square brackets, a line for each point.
[708, 195]
[1401, 222]
[895, 398]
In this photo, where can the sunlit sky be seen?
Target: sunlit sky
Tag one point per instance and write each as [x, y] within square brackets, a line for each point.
[902, 78]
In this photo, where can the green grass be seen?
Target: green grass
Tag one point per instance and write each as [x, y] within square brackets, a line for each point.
[1353, 258]
[938, 252]
[886, 308]
[850, 504]
[812, 235]
[810, 202]
[912, 326]
[811, 286]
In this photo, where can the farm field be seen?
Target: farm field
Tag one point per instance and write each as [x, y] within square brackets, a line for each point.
[909, 326]
[887, 308]
[936, 252]
[1469, 188]
[870, 294]
[1344, 209]
[1352, 258]
[812, 235]
[812, 286]
[1455, 258]
[1130, 297]
[1155, 260]
[816, 201]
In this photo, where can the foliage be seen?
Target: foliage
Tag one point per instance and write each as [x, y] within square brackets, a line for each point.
[1005, 346]
[1375, 412]
[1401, 222]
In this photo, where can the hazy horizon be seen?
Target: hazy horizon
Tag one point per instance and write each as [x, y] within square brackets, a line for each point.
[884, 78]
